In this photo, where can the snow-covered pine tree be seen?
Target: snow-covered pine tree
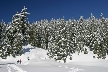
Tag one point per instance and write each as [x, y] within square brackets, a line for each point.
[47, 37]
[32, 34]
[73, 35]
[2, 30]
[103, 36]
[106, 35]
[52, 38]
[24, 25]
[100, 46]
[69, 39]
[60, 50]
[15, 36]
[52, 48]
[44, 34]
[80, 35]
[38, 34]
[92, 31]
[5, 48]
[96, 47]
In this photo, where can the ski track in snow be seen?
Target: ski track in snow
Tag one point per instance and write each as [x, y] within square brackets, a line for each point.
[15, 67]
[73, 69]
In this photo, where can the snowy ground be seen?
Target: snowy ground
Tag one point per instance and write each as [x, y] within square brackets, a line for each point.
[39, 62]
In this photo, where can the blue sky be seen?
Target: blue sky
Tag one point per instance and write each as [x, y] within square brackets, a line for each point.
[47, 9]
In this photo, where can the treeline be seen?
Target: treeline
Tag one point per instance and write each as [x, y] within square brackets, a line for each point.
[60, 37]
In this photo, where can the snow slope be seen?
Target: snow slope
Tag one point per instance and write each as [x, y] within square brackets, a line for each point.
[39, 62]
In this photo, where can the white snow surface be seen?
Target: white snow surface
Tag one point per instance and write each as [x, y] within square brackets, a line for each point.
[39, 62]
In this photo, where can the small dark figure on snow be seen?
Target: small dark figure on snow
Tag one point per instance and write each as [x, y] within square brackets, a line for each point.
[20, 61]
[28, 58]
[17, 61]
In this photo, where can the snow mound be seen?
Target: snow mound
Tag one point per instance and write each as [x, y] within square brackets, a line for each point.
[83, 57]
[29, 51]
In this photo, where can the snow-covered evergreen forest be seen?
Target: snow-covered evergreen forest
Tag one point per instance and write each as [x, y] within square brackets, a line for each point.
[60, 37]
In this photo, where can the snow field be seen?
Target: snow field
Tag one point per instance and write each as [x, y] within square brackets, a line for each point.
[39, 62]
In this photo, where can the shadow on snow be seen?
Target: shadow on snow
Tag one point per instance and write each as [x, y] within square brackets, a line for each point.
[6, 64]
[26, 50]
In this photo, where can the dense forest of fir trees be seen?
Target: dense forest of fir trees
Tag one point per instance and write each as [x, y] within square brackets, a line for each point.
[60, 37]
